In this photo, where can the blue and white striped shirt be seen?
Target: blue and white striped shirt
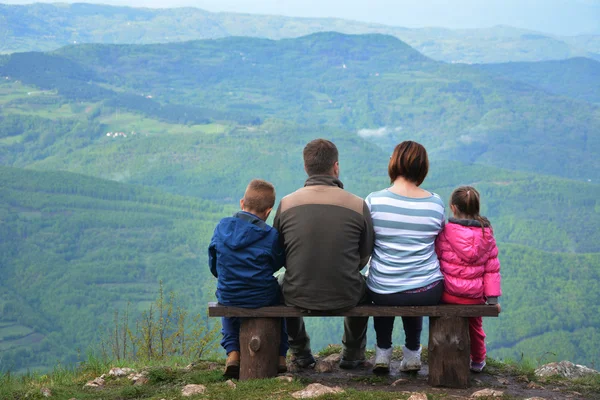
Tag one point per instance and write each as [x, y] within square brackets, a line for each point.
[405, 230]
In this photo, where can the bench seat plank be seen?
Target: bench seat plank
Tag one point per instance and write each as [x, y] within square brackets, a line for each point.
[443, 310]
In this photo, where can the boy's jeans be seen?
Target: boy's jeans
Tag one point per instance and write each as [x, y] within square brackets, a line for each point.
[231, 335]
[354, 341]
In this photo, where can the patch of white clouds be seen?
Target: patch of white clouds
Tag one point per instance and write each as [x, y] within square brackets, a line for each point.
[378, 132]
[466, 139]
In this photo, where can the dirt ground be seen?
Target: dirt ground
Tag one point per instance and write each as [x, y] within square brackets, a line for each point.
[362, 378]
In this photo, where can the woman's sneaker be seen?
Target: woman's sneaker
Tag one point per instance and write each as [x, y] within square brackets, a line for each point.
[383, 358]
[477, 366]
[411, 361]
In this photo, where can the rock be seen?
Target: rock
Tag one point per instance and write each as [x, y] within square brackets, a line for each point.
[533, 385]
[488, 393]
[293, 367]
[315, 390]
[96, 383]
[212, 366]
[142, 380]
[328, 364]
[565, 369]
[190, 390]
[231, 384]
[119, 372]
[523, 378]
[418, 396]
[285, 378]
[46, 392]
[135, 378]
[190, 367]
[399, 381]
[503, 381]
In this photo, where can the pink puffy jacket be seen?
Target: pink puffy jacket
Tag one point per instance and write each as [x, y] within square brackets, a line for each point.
[469, 259]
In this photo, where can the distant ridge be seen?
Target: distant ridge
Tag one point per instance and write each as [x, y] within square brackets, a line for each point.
[43, 27]
[578, 78]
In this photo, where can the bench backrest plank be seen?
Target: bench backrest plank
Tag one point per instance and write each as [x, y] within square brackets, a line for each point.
[443, 310]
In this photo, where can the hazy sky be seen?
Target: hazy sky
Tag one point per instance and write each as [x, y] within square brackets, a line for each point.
[566, 17]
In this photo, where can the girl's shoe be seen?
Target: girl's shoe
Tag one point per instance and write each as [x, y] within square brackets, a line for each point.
[232, 365]
[477, 366]
[383, 358]
[411, 361]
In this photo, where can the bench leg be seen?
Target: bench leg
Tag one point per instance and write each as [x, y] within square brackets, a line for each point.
[259, 347]
[449, 351]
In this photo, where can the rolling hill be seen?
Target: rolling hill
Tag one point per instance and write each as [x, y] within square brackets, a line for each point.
[42, 27]
[373, 85]
[182, 127]
[578, 78]
[75, 249]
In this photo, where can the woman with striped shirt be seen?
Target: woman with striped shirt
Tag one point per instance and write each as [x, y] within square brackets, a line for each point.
[404, 269]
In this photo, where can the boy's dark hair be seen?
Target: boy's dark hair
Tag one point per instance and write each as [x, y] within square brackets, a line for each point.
[466, 200]
[320, 156]
[409, 161]
[259, 196]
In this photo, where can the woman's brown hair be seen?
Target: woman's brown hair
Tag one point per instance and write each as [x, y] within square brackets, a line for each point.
[409, 161]
[466, 200]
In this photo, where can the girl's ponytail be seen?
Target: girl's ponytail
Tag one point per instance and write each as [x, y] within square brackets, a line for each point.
[466, 200]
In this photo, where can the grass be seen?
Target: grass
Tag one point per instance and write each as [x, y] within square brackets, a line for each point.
[167, 378]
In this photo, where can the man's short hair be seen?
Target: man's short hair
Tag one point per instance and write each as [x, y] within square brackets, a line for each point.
[409, 161]
[320, 156]
[259, 196]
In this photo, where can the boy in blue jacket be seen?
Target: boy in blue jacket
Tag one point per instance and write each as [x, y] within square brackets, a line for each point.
[243, 255]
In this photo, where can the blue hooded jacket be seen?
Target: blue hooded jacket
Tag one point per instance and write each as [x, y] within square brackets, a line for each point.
[243, 255]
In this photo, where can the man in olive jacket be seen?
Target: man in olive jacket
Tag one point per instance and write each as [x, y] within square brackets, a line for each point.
[327, 234]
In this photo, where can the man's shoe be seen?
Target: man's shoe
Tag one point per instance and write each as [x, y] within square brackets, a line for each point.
[303, 360]
[411, 361]
[232, 365]
[351, 364]
[477, 366]
[383, 357]
[282, 367]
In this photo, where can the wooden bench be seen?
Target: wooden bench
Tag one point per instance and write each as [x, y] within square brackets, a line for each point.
[449, 344]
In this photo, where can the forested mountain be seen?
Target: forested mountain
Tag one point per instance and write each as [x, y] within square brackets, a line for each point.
[578, 78]
[42, 27]
[75, 249]
[372, 84]
[200, 119]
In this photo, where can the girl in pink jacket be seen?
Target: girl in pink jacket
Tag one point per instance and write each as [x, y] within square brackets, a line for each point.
[469, 262]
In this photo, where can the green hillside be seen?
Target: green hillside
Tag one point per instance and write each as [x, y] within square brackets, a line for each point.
[92, 246]
[200, 119]
[43, 27]
[75, 249]
[372, 85]
[578, 78]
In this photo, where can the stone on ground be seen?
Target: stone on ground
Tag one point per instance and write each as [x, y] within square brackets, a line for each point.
[190, 390]
[488, 393]
[96, 383]
[231, 384]
[328, 364]
[285, 378]
[565, 369]
[119, 372]
[46, 392]
[315, 390]
[418, 396]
